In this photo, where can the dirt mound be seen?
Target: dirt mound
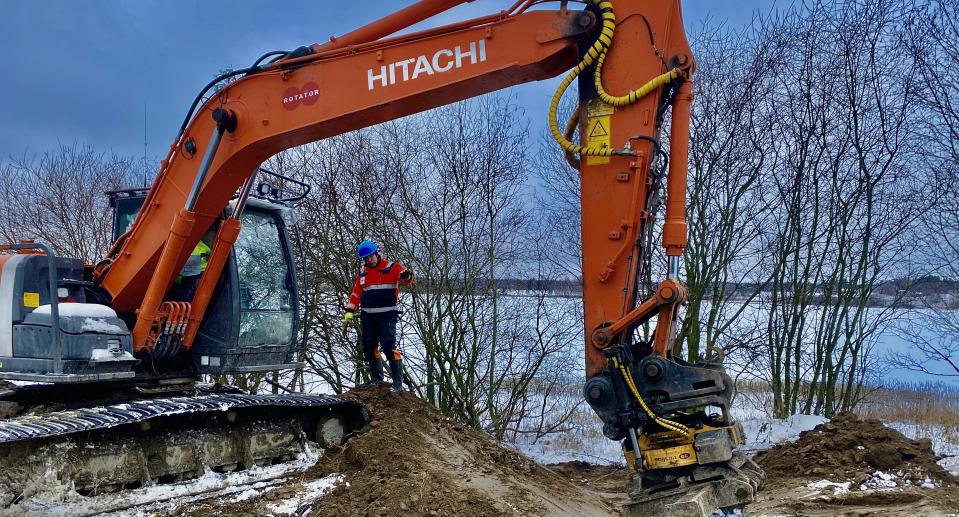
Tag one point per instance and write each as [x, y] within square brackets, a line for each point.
[847, 448]
[411, 461]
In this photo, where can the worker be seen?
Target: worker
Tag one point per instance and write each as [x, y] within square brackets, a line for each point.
[196, 264]
[375, 294]
[185, 286]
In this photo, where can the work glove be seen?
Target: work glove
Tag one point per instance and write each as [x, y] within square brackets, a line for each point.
[349, 318]
[406, 275]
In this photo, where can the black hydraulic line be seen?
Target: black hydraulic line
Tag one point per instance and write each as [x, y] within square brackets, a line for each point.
[211, 84]
[262, 58]
[256, 67]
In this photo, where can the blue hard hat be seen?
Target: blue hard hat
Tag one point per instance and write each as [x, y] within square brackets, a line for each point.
[366, 248]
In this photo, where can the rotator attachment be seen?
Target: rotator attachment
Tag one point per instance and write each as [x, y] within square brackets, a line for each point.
[671, 416]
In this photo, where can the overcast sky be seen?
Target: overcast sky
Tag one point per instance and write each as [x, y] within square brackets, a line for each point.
[87, 71]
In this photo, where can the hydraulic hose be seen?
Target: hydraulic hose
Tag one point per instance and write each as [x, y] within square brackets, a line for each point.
[597, 55]
[571, 158]
[670, 425]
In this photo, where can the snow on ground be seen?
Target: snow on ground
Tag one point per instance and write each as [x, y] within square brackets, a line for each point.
[826, 485]
[311, 491]
[945, 441]
[878, 481]
[763, 432]
[587, 443]
[579, 445]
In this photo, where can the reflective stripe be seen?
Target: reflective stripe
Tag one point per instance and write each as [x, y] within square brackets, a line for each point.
[380, 286]
[380, 309]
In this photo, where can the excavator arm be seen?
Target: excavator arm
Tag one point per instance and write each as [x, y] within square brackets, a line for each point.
[632, 64]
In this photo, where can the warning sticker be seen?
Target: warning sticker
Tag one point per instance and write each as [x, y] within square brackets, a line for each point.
[597, 135]
[598, 129]
[31, 300]
[598, 108]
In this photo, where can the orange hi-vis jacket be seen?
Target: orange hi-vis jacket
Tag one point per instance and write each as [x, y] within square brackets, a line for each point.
[377, 289]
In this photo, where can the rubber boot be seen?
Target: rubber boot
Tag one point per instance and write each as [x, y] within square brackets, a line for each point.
[376, 371]
[396, 372]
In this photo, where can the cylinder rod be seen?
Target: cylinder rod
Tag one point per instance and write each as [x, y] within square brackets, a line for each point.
[390, 24]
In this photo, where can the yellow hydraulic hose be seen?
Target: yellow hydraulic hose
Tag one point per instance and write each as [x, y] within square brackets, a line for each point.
[571, 158]
[676, 427]
[635, 95]
[597, 54]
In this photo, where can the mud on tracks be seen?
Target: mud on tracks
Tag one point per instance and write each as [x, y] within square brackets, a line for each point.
[412, 461]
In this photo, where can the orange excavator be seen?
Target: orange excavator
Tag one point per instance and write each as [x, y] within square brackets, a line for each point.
[118, 346]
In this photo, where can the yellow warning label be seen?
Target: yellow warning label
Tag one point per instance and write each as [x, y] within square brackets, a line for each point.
[597, 135]
[598, 129]
[598, 108]
[31, 300]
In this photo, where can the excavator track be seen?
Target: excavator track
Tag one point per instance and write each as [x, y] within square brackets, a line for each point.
[107, 449]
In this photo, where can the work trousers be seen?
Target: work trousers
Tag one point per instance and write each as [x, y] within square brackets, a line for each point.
[379, 331]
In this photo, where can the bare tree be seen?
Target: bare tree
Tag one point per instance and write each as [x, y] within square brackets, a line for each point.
[727, 211]
[933, 329]
[58, 198]
[845, 137]
[444, 193]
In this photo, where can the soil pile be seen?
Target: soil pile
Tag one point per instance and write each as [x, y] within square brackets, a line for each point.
[847, 448]
[599, 478]
[411, 461]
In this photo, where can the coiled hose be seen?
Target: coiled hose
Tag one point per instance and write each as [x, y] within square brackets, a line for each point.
[597, 54]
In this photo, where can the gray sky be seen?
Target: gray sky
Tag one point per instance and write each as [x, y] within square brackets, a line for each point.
[83, 70]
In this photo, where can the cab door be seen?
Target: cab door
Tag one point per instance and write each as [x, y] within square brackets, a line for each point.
[251, 322]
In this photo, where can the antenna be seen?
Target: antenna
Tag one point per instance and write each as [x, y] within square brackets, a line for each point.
[144, 142]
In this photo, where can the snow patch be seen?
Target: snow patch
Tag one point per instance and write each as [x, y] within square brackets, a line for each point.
[71, 309]
[312, 491]
[880, 480]
[825, 484]
[102, 326]
[577, 445]
[763, 433]
[251, 492]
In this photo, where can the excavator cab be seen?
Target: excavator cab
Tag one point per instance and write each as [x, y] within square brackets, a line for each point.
[251, 323]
